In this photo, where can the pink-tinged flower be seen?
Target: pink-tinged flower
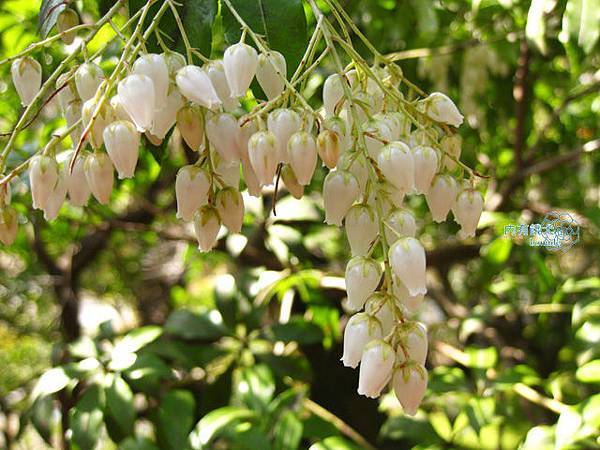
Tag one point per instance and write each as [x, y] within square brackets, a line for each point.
[362, 278]
[240, 62]
[191, 126]
[43, 176]
[302, 154]
[426, 164]
[195, 85]
[122, 143]
[99, 175]
[283, 123]
[154, 67]
[88, 79]
[230, 206]
[191, 190]
[223, 133]
[263, 154]
[467, 211]
[137, 97]
[441, 197]
[27, 77]
[399, 223]
[340, 191]
[271, 72]
[397, 165]
[375, 368]
[409, 385]
[206, 226]
[407, 258]
[441, 109]
[362, 229]
[360, 330]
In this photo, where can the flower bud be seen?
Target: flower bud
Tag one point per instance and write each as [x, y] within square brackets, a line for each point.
[362, 229]
[191, 190]
[410, 302]
[340, 191]
[230, 206]
[64, 22]
[8, 225]
[407, 258]
[333, 92]
[362, 278]
[99, 175]
[27, 77]
[137, 96]
[104, 117]
[338, 126]
[441, 109]
[283, 123]
[122, 143]
[68, 91]
[360, 330]
[329, 147]
[195, 84]
[397, 165]
[206, 226]
[216, 73]
[240, 62]
[441, 197]
[56, 198]
[410, 384]
[377, 133]
[77, 187]
[376, 367]
[88, 78]
[270, 73]
[5, 193]
[263, 152]
[191, 126]
[175, 61]
[302, 154]
[72, 115]
[426, 163]
[223, 132]
[291, 182]
[452, 146]
[378, 305]
[154, 67]
[467, 211]
[43, 175]
[399, 223]
[166, 116]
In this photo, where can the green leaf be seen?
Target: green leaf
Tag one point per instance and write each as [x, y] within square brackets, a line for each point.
[334, 443]
[48, 15]
[53, 380]
[296, 367]
[288, 432]
[215, 421]
[590, 372]
[42, 417]
[297, 329]
[86, 419]
[175, 419]
[254, 386]
[124, 354]
[581, 22]
[441, 424]
[482, 358]
[267, 18]
[138, 444]
[498, 251]
[119, 407]
[187, 325]
[147, 373]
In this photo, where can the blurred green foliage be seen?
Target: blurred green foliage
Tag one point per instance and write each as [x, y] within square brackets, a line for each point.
[239, 349]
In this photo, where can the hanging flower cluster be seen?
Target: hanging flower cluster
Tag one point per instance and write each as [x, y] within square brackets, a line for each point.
[378, 145]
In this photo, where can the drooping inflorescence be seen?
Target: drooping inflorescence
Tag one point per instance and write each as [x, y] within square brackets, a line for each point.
[381, 139]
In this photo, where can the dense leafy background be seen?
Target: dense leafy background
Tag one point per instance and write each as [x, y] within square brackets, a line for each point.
[239, 349]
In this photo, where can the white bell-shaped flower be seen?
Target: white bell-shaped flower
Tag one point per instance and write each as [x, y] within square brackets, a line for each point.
[362, 228]
[415, 343]
[340, 191]
[27, 77]
[67, 92]
[137, 96]
[216, 73]
[166, 116]
[291, 182]
[441, 197]
[195, 85]
[452, 147]
[362, 278]
[376, 367]
[263, 154]
[407, 258]
[357, 165]
[119, 109]
[154, 67]
[88, 79]
[72, 115]
[412, 303]
[271, 72]
[399, 223]
[56, 198]
[77, 186]
[441, 109]
[422, 136]
[467, 211]
[206, 226]
[250, 178]
[337, 125]
[43, 176]
[426, 164]
[191, 190]
[377, 134]
[283, 123]
[397, 122]
[410, 384]
[333, 93]
[378, 305]
[230, 205]
[223, 133]
[360, 330]
[191, 126]
[99, 175]
[66, 20]
[122, 143]
[329, 146]
[240, 62]
[397, 165]
[105, 116]
[302, 154]
[247, 129]
[175, 61]
[9, 225]
[227, 172]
